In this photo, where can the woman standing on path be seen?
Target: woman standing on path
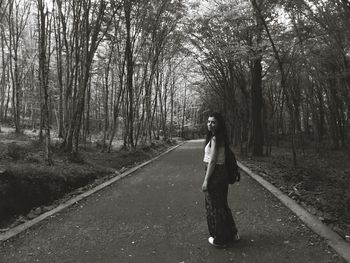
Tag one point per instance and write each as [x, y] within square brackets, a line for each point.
[222, 228]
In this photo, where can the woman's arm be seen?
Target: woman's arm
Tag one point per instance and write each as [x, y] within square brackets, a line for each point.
[211, 164]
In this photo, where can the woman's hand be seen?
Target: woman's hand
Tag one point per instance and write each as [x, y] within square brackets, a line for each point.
[205, 186]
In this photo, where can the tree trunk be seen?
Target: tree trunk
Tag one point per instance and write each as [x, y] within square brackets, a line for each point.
[256, 104]
[129, 73]
[257, 138]
[7, 103]
[106, 104]
[172, 91]
[43, 77]
[60, 78]
[183, 114]
[3, 79]
[86, 129]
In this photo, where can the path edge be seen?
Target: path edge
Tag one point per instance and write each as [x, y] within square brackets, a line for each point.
[22, 227]
[333, 239]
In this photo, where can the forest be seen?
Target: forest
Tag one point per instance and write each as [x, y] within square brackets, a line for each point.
[92, 66]
[74, 72]
[278, 68]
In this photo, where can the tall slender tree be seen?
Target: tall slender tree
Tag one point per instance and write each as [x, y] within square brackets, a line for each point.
[44, 25]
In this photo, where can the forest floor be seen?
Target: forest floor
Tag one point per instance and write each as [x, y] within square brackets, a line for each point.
[320, 182]
[28, 187]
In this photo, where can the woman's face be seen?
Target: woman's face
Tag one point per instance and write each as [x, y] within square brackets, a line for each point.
[212, 125]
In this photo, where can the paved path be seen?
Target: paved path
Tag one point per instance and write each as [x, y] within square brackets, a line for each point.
[157, 215]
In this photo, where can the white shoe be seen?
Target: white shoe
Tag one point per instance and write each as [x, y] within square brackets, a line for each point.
[211, 242]
[237, 238]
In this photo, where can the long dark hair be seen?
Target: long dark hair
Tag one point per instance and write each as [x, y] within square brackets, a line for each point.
[221, 132]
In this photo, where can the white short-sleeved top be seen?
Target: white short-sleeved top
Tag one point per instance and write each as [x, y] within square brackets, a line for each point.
[220, 157]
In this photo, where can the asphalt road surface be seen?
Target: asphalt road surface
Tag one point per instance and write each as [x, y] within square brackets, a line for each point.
[157, 215]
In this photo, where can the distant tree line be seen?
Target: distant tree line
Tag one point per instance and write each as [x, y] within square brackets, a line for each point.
[92, 66]
[277, 68]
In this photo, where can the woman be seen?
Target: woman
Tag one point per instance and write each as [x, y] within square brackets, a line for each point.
[222, 228]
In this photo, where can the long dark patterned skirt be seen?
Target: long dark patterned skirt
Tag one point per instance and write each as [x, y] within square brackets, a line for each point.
[221, 225]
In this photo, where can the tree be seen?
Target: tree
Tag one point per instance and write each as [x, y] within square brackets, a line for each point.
[230, 42]
[44, 58]
[129, 73]
[88, 40]
[17, 18]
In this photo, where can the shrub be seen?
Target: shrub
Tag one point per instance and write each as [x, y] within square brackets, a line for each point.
[34, 157]
[15, 151]
[76, 158]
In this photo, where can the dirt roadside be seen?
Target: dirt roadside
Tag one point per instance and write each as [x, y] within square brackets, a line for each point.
[320, 182]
